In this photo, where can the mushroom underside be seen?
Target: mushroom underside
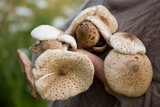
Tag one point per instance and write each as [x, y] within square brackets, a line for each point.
[62, 74]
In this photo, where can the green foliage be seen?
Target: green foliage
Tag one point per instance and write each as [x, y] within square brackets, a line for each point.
[15, 34]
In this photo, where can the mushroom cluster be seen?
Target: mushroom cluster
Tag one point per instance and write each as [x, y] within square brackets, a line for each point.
[60, 72]
[57, 73]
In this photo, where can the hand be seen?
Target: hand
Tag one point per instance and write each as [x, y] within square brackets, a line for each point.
[99, 72]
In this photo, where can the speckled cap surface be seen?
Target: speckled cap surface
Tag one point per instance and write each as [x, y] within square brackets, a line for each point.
[51, 84]
[129, 75]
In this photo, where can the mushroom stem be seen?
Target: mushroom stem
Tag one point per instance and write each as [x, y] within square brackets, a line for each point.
[65, 47]
[63, 72]
[100, 48]
[87, 34]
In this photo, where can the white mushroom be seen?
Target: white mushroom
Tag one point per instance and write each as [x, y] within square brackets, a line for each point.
[129, 75]
[68, 40]
[62, 74]
[127, 43]
[45, 32]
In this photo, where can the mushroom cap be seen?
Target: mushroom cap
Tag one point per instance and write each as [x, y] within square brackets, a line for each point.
[129, 75]
[127, 43]
[79, 19]
[68, 40]
[45, 32]
[26, 68]
[105, 15]
[44, 45]
[99, 11]
[102, 27]
[62, 74]
[87, 34]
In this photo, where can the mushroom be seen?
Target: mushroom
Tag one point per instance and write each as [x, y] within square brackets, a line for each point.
[62, 74]
[88, 34]
[127, 74]
[90, 24]
[127, 43]
[58, 74]
[68, 40]
[47, 39]
[45, 32]
[26, 68]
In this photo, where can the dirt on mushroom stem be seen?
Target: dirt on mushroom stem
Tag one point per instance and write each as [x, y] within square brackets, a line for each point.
[87, 34]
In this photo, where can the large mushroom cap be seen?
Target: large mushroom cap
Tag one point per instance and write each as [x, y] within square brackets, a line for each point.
[62, 74]
[129, 75]
[127, 43]
[45, 32]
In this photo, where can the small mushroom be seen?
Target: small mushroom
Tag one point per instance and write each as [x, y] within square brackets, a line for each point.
[69, 40]
[100, 22]
[129, 75]
[45, 32]
[62, 74]
[47, 39]
[127, 43]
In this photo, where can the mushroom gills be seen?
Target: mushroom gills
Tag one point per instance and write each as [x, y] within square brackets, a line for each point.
[58, 74]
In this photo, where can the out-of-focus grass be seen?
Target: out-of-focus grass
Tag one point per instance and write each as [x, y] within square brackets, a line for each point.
[15, 28]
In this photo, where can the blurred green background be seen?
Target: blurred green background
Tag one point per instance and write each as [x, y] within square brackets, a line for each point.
[17, 19]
